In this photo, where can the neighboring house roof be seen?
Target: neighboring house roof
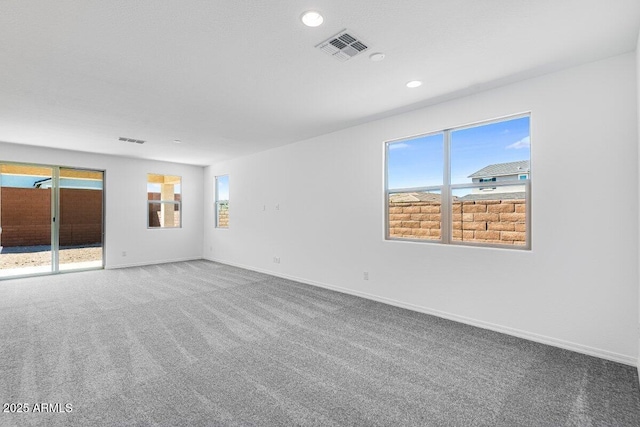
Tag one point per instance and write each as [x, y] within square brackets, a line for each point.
[77, 184]
[493, 196]
[502, 169]
[431, 197]
[414, 197]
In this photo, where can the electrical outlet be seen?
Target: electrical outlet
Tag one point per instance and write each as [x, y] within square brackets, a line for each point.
[278, 207]
[124, 253]
[276, 260]
[365, 276]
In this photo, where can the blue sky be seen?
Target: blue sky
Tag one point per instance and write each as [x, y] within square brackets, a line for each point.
[418, 162]
[24, 181]
[223, 187]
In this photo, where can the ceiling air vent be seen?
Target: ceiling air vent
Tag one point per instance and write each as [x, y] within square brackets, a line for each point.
[135, 141]
[343, 46]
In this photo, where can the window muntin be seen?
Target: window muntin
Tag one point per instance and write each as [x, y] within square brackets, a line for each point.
[497, 152]
[164, 201]
[222, 201]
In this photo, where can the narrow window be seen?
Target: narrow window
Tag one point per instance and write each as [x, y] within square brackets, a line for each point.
[164, 201]
[222, 201]
[437, 185]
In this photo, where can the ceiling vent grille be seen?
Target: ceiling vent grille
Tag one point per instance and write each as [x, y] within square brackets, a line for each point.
[135, 141]
[343, 46]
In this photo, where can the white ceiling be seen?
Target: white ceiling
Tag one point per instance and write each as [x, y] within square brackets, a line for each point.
[229, 78]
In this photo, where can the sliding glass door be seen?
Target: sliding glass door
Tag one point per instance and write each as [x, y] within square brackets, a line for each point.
[80, 225]
[51, 219]
[25, 220]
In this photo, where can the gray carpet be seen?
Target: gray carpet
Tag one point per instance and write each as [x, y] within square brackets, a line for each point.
[204, 344]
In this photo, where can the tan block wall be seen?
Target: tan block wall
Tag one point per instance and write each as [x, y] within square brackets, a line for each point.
[223, 217]
[415, 220]
[25, 215]
[487, 221]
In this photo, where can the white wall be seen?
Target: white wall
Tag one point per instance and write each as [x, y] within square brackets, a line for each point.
[126, 206]
[577, 287]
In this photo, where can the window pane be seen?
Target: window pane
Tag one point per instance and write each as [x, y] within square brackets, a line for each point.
[25, 219]
[496, 151]
[80, 219]
[164, 214]
[222, 201]
[416, 162]
[222, 183]
[490, 216]
[169, 184]
[164, 200]
[415, 215]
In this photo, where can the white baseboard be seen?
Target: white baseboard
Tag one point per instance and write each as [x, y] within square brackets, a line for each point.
[567, 345]
[141, 264]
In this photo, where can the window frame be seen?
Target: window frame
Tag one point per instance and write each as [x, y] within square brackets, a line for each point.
[161, 202]
[218, 202]
[446, 190]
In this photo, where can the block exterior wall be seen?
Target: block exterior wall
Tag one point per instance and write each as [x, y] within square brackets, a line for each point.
[487, 221]
[223, 216]
[26, 217]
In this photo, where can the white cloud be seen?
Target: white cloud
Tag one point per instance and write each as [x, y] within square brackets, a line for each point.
[523, 143]
[397, 145]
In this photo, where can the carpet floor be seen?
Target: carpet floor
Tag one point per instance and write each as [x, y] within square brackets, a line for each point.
[204, 344]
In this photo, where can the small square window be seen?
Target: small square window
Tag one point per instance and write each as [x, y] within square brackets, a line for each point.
[164, 201]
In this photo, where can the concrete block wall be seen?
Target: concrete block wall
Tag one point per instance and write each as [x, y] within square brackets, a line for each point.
[25, 215]
[223, 216]
[490, 221]
[487, 221]
[80, 217]
[415, 220]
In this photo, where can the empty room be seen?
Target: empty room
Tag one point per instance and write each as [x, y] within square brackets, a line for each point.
[329, 213]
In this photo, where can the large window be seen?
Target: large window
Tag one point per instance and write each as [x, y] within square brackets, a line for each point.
[164, 201]
[436, 185]
[222, 201]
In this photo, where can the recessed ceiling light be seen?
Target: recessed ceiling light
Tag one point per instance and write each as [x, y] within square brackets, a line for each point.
[312, 18]
[376, 57]
[414, 83]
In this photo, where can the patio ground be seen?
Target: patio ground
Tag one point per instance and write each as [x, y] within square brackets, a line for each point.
[34, 256]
